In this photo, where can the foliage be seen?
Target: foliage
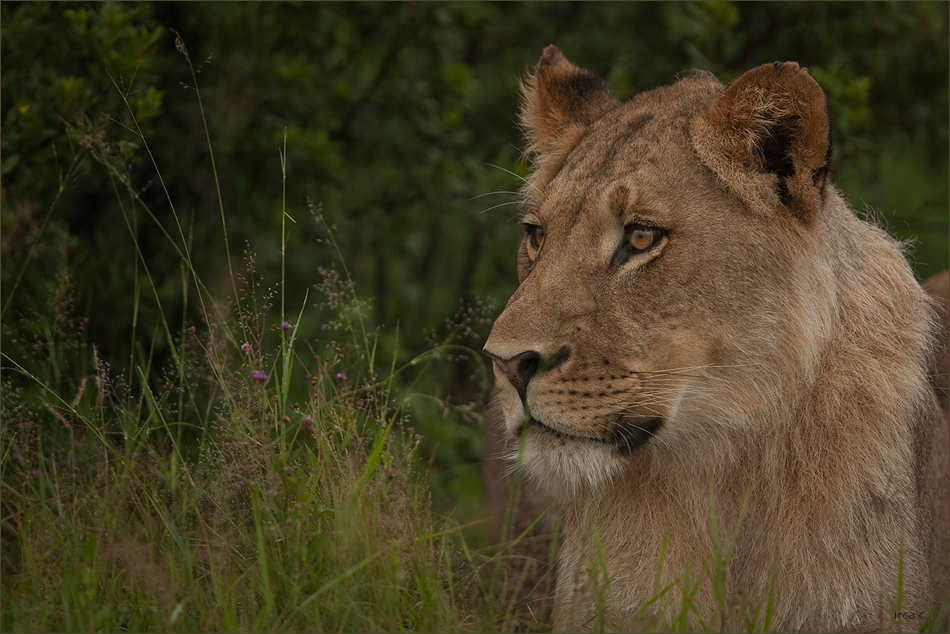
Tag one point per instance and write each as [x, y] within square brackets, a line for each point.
[64, 69]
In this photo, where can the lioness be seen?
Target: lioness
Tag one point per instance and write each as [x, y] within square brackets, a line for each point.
[713, 367]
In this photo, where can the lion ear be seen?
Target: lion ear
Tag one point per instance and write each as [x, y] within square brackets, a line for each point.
[558, 101]
[767, 137]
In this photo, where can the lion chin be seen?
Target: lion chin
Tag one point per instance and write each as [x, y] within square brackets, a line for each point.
[558, 462]
[721, 377]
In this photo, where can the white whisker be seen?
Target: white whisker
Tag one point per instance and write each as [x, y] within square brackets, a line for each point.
[521, 178]
[512, 193]
[510, 202]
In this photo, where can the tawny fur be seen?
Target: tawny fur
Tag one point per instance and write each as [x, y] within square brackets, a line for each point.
[782, 342]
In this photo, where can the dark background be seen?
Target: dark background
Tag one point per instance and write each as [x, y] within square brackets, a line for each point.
[401, 128]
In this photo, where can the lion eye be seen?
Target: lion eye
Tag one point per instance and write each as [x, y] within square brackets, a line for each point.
[638, 238]
[535, 236]
[642, 237]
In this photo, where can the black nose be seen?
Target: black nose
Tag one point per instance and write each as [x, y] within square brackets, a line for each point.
[521, 368]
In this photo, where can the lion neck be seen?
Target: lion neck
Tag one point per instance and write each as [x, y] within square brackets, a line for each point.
[810, 487]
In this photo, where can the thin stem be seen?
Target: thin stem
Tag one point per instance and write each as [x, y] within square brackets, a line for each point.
[180, 44]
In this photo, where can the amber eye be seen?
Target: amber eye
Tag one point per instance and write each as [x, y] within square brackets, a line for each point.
[643, 237]
[535, 236]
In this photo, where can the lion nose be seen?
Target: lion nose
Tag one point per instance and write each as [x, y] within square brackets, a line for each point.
[521, 368]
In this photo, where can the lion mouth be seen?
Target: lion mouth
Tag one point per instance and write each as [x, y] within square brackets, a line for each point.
[625, 436]
[628, 436]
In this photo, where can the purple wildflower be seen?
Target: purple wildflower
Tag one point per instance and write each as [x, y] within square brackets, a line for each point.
[246, 348]
[14, 458]
[258, 376]
[285, 325]
[35, 474]
[341, 376]
[63, 464]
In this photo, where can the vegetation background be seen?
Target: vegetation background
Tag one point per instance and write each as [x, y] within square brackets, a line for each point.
[398, 121]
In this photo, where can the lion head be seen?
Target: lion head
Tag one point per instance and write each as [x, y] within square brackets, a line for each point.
[699, 310]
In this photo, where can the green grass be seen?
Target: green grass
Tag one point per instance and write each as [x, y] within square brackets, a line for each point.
[205, 498]
[313, 519]
[200, 497]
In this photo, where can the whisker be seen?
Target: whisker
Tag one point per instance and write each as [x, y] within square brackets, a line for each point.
[492, 194]
[510, 202]
[521, 178]
[683, 370]
[644, 429]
